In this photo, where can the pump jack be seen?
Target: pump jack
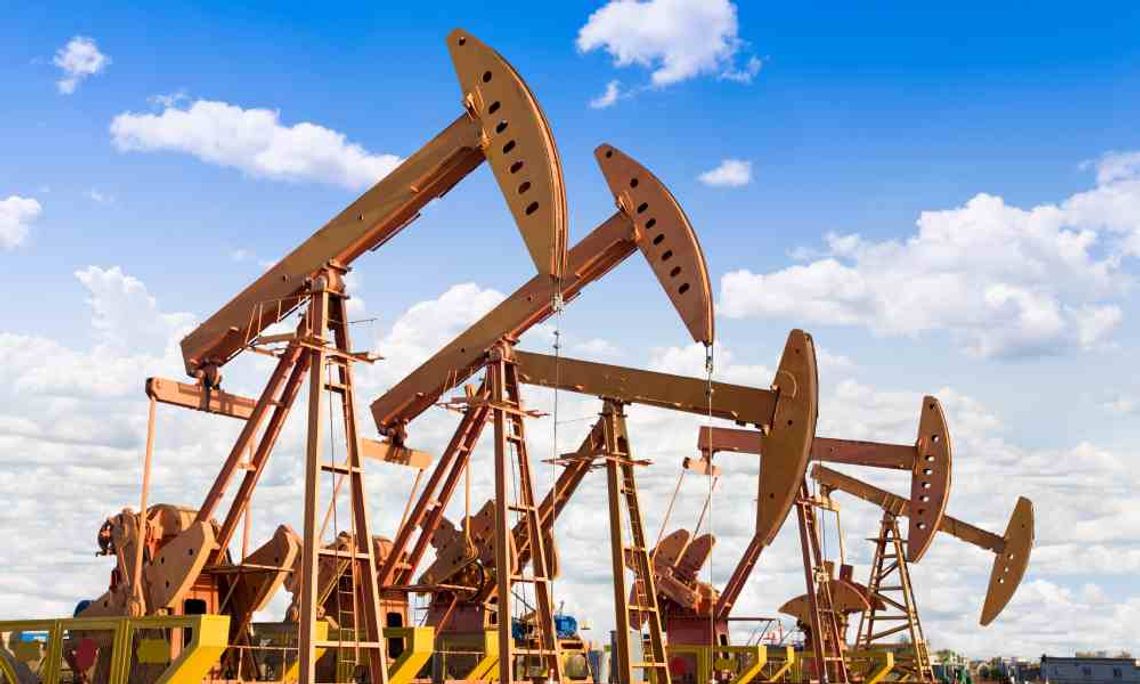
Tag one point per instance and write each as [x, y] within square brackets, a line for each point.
[171, 558]
[663, 599]
[929, 462]
[470, 589]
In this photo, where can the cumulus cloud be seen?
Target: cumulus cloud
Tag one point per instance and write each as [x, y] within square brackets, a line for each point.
[78, 59]
[1002, 280]
[608, 98]
[16, 216]
[253, 141]
[731, 173]
[676, 39]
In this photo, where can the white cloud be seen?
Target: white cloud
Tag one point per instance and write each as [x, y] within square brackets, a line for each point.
[100, 197]
[72, 421]
[254, 141]
[731, 173]
[78, 59]
[16, 216]
[677, 39]
[609, 97]
[1114, 166]
[1002, 280]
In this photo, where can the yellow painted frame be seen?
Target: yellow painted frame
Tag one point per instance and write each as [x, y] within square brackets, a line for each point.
[727, 657]
[209, 638]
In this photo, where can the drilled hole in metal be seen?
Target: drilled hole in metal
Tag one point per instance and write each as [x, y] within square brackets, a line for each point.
[659, 239]
[924, 498]
[926, 485]
[667, 255]
[462, 40]
[633, 182]
[935, 438]
[501, 126]
[642, 207]
[684, 288]
[927, 471]
[508, 147]
[650, 223]
[922, 526]
[516, 166]
[609, 153]
[930, 458]
[494, 107]
[675, 272]
[531, 208]
[486, 76]
[523, 187]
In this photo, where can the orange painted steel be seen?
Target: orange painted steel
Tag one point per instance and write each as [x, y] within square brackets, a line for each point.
[929, 461]
[501, 124]
[595, 255]
[786, 416]
[1011, 550]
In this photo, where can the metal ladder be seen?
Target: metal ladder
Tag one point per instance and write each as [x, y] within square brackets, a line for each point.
[643, 610]
[327, 314]
[827, 639]
[901, 611]
[518, 507]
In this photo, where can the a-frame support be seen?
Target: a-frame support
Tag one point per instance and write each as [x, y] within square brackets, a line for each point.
[890, 587]
[518, 507]
[326, 343]
[826, 639]
[640, 607]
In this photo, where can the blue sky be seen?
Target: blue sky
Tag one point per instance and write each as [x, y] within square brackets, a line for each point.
[856, 122]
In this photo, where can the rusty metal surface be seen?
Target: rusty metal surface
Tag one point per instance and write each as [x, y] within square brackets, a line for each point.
[1010, 563]
[663, 390]
[519, 147]
[665, 237]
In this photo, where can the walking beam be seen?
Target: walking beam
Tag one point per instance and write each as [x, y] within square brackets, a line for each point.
[647, 218]
[501, 123]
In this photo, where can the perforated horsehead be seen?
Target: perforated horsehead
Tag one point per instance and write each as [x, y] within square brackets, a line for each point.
[186, 551]
[649, 219]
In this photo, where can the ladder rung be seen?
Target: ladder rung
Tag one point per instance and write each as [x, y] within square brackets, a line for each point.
[521, 509]
[534, 651]
[647, 665]
[336, 387]
[339, 468]
[347, 644]
[335, 553]
[532, 580]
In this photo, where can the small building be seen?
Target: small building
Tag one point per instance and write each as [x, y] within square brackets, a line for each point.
[1089, 670]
